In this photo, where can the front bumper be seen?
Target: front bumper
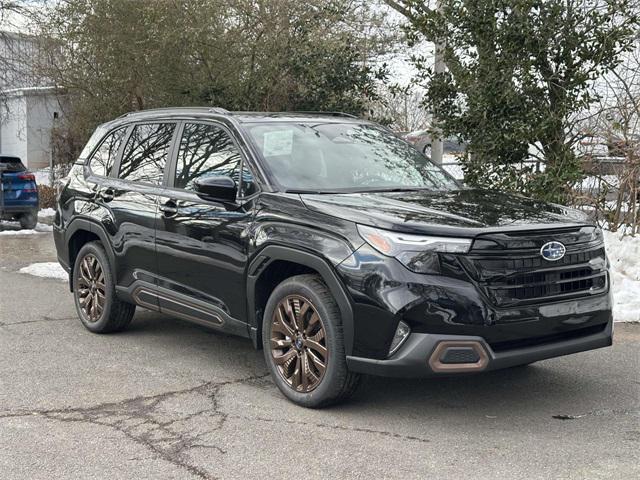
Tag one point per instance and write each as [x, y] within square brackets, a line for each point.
[415, 357]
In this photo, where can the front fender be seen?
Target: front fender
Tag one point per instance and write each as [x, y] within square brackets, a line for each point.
[271, 253]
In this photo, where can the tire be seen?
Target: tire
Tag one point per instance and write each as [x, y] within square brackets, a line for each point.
[115, 314]
[324, 387]
[28, 221]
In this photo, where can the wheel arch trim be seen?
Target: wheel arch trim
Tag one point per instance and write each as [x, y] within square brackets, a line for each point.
[271, 253]
[79, 224]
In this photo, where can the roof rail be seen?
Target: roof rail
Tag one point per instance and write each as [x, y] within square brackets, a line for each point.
[218, 110]
[335, 114]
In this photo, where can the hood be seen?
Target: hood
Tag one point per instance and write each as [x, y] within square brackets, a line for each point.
[455, 212]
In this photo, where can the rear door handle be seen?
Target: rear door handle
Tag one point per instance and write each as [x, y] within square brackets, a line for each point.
[169, 208]
[106, 195]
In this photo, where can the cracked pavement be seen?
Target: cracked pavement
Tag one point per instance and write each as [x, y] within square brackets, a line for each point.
[170, 400]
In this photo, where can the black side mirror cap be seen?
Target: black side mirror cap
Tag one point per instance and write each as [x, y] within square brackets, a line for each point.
[215, 187]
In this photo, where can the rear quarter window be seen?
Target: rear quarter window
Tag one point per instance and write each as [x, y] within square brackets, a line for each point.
[93, 141]
[103, 159]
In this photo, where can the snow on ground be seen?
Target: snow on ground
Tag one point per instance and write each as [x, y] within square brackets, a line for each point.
[46, 213]
[624, 255]
[45, 216]
[594, 183]
[12, 228]
[46, 270]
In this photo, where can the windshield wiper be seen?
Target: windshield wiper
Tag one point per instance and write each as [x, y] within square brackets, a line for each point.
[302, 191]
[394, 189]
[358, 190]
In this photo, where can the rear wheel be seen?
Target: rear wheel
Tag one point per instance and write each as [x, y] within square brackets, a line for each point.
[303, 343]
[29, 220]
[94, 292]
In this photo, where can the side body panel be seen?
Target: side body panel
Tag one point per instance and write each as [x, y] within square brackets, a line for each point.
[202, 250]
[129, 219]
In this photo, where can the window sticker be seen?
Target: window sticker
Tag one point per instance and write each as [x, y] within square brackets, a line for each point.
[278, 142]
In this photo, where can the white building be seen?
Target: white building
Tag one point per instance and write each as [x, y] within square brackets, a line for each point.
[29, 109]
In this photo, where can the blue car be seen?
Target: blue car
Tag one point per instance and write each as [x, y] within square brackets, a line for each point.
[18, 192]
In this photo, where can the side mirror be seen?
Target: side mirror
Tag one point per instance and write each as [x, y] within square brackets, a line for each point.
[216, 188]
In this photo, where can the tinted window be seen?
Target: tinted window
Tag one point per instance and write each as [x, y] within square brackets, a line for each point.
[205, 150]
[93, 141]
[103, 158]
[344, 157]
[145, 154]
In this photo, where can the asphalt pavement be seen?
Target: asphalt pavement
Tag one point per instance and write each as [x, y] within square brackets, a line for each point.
[170, 400]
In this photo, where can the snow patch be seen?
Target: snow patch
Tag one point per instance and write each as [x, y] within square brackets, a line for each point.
[46, 270]
[40, 228]
[46, 213]
[624, 255]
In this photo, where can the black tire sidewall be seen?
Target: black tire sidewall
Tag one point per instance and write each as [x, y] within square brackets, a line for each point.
[331, 383]
[28, 220]
[96, 250]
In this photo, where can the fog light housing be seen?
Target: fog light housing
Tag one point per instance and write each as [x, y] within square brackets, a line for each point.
[402, 333]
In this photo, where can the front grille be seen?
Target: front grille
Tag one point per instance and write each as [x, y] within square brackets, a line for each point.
[514, 277]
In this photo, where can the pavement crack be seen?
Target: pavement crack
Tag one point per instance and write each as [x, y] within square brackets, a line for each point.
[595, 413]
[141, 420]
[38, 320]
[384, 433]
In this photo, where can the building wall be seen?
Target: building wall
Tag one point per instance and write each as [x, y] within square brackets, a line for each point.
[27, 102]
[40, 110]
[13, 129]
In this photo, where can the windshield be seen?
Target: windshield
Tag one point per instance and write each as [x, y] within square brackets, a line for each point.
[344, 157]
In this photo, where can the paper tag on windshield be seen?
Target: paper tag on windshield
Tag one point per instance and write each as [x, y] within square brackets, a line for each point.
[279, 142]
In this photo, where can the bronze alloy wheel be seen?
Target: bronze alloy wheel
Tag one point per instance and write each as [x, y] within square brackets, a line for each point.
[298, 343]
[91, 288]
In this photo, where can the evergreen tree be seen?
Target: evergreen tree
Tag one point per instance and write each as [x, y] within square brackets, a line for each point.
[518, 72]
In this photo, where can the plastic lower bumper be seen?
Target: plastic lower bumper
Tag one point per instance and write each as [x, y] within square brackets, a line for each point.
[416, 357]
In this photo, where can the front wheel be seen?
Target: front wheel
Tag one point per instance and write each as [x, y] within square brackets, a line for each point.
[303, 343]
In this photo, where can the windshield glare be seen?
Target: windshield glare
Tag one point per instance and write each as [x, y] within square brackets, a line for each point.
[329, 157]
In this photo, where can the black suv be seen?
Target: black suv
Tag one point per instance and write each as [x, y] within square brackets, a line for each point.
[333, 245]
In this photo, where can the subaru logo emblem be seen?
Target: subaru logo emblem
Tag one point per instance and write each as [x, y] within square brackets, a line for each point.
[553, 251]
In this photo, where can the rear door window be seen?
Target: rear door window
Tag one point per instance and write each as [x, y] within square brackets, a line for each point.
[103, 159]
[145, 154]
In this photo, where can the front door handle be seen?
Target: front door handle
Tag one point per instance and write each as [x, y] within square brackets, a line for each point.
[106, 195]
[169, 208]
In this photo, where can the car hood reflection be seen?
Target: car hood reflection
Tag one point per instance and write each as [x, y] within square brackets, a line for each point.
[422, 211]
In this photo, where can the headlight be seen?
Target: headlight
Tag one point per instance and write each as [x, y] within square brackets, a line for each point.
[416, 252]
